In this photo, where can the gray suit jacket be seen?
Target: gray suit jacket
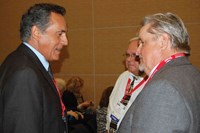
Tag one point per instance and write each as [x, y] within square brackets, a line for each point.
[169, 103]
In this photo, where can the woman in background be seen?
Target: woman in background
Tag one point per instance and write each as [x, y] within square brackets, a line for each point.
[72, 96]
[73, 116]
[101, 111]
[73, 100]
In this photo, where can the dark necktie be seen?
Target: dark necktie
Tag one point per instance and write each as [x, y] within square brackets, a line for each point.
[58, 90]
[124, 101]
[127, 95]
[50, 72]
[132, 84]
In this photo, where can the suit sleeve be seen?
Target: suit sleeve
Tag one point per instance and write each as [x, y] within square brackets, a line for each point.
[160, 109]
[23, 103]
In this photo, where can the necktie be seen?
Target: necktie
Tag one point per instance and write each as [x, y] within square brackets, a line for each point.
[124, 101]
[127, 95]
[132, 84]
[50, 72]
[54, 81]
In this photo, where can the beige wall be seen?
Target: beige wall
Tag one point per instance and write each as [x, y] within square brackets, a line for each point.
[98, 34]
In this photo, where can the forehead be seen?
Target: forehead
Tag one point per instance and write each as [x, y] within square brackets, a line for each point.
[58, 21]
[144, 31]
[133, 46]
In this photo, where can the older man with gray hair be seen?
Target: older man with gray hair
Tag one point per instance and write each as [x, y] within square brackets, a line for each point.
[170, 100]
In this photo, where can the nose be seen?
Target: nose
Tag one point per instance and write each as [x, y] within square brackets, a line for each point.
[64, 40]
[138, 51]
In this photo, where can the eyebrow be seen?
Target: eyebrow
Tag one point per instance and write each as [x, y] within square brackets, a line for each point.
[130, 53]
[63, 31]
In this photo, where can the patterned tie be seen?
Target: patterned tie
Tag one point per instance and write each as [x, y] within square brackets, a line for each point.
[132, 84]
[124, 101]
[127, 96]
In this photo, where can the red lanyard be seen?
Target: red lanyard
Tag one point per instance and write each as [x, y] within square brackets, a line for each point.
[63, 106]
[162, 63]
[127, 92]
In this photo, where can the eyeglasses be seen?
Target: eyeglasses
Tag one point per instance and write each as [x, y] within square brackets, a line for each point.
[133, 55]
[127, 55]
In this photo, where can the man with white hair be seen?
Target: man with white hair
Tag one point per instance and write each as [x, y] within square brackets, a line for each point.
[126, 89]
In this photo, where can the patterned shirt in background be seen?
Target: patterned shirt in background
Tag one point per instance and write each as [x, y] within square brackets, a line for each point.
[101, 119]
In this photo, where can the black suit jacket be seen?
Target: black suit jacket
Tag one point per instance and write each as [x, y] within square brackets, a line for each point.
[29, 102]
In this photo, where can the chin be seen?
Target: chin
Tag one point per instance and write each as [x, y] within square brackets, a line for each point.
[55, 59]
[141, 67]
[131, 69]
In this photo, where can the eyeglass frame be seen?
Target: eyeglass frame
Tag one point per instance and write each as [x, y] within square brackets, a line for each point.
[133, 55]
[127, 55]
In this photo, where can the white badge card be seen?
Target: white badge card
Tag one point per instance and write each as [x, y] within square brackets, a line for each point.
[120, 108]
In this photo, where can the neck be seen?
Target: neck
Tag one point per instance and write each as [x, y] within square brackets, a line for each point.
[164, 55]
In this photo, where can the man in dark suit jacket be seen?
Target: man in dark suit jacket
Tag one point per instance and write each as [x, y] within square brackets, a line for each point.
[29, 100]
[170, 101]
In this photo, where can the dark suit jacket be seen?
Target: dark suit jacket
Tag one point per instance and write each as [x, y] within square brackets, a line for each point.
[169, 103]
[29, 102]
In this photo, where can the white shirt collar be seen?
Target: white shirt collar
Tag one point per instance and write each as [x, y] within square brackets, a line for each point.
[42, 59]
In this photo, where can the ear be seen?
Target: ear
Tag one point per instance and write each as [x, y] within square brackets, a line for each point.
[35, 32]
[165, 41]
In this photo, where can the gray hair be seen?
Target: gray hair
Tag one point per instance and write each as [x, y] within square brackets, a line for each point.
[134, 39]
[172, 25]
[39, 15]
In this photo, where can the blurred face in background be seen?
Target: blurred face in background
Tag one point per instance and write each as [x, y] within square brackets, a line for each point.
[78, 87]
[75, 84]
[131, 63]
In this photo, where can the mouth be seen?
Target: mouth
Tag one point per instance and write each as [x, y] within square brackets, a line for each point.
[58, 49]
[131, 65]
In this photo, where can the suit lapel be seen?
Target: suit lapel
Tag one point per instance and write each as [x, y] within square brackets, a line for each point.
[31, 55]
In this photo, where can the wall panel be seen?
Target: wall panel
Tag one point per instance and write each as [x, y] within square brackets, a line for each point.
[98, 33]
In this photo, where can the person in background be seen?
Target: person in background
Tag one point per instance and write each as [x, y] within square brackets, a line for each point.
[61, 84]
[72, 96]
[29, 100]
[101, 110]
[170, 100]
[73, 115]
[73, 100]
[127, 87]
[76, 123]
